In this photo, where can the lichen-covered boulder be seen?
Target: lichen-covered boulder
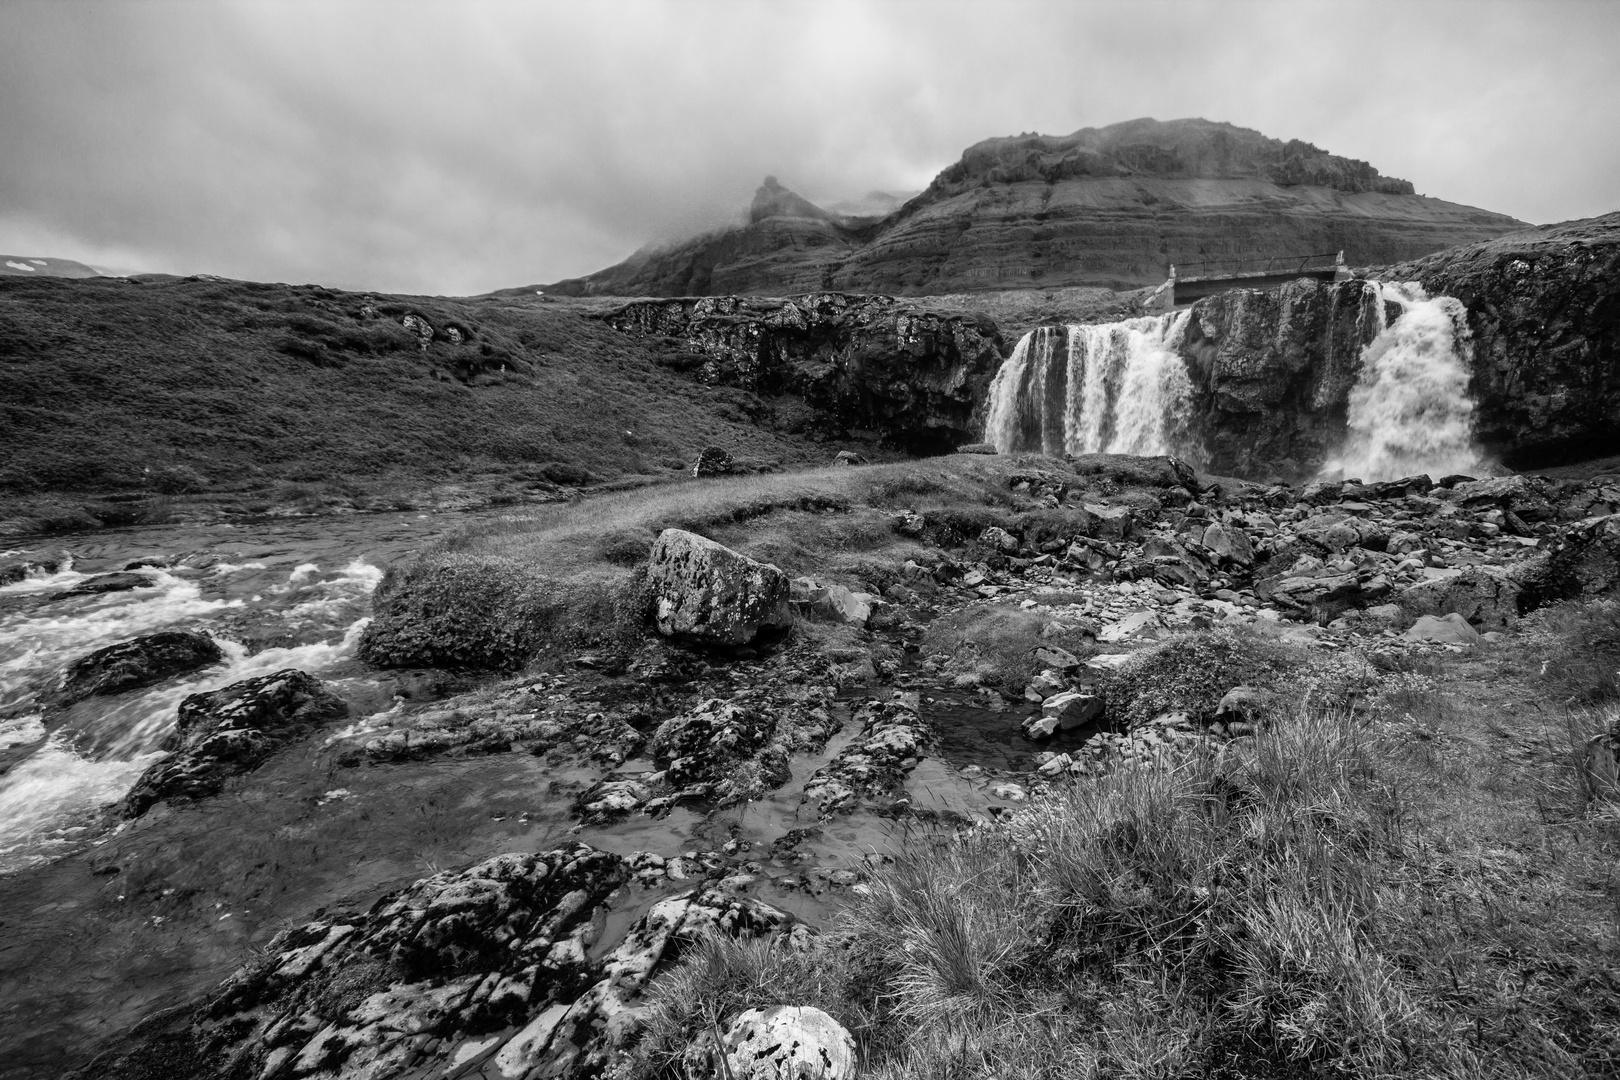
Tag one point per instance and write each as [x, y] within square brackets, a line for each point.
[789, 1042]
[139, 662]
[232, 731]
[706, 593]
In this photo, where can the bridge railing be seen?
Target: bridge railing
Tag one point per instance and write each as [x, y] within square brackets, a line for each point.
[1257, 267]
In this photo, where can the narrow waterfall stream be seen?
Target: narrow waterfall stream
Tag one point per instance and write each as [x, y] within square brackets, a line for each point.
[1410, 411]
[1118, 388]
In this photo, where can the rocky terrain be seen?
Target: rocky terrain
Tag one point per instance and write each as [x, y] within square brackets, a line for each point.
[1112, 206]
[943, 650]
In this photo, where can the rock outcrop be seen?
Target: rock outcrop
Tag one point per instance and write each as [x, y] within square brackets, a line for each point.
[489, 973]
[1102, 206]
[130, 665]
[232, 731]
[705, 593]
[789, 1042]
[866, 363]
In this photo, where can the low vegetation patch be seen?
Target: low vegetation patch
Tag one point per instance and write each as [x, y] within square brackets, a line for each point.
[1191, 672]
[1334, 897]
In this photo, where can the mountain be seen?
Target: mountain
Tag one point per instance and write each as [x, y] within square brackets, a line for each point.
[30, 266]
[1111, 206]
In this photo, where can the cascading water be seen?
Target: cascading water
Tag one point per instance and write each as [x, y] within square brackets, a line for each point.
[1409, 411]
[56, 773]
[1118, 388]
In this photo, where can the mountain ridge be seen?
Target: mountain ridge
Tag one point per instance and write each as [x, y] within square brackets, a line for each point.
[1110, 206]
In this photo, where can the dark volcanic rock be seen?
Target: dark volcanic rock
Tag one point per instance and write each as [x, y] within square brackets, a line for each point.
[1102, 206]
[864, 362]
[231, 731]
[139, 662]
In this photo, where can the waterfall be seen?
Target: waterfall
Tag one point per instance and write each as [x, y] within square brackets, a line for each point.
[1118, 388]
[1409, 411]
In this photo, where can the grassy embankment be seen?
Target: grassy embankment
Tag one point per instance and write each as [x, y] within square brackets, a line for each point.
[1406, 874]
[122, 403]
[503, 592]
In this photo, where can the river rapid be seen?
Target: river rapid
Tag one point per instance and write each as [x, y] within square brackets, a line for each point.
[282, 593]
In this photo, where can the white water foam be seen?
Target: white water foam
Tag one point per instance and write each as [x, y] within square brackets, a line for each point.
[1410, 411]
[48, 799]
[1118, 388]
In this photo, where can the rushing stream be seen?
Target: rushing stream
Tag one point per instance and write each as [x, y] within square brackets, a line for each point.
[274, 594]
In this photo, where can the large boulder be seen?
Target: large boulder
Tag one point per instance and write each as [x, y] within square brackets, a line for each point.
[1486, 596]
[232, 731]
[101, 584]
[706, 593]
[132, 664]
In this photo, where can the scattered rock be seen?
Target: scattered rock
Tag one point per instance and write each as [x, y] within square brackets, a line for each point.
[848, 457]
[231, 731]
[1450, 629]
[706, 593]
[831, 603]
[130, 665]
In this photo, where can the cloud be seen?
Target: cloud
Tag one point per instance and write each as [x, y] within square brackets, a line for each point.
[442, 147]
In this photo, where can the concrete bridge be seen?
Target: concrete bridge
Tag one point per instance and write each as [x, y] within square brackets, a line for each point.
[1195, 280]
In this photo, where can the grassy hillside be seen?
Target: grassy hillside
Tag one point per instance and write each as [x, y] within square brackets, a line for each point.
[120, 401]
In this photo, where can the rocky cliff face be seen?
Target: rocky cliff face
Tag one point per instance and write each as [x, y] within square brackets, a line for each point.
[1272, 372]
[862, 362]
[1103, 206]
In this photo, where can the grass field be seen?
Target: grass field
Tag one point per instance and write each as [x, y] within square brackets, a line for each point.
[119, 400]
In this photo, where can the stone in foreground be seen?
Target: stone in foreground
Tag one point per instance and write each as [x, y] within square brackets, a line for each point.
[708, 594]
[789, 1042]
[232, 731]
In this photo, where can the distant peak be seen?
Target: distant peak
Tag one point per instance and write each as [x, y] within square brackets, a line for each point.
[774, 200]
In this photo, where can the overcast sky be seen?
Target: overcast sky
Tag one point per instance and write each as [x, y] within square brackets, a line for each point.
[462, 147]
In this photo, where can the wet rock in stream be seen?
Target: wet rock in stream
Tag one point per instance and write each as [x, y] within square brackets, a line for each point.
[231, 731]
[140, 662]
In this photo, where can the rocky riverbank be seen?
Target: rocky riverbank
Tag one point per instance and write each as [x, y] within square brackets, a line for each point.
[966, 640]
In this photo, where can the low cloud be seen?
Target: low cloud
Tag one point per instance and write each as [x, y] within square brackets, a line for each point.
[463, 147]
